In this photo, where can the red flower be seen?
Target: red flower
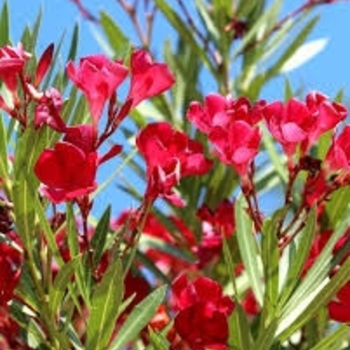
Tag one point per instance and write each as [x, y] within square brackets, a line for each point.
[298, 123]
[66, 172]
[170, 155]
[339, 309]
[98, 77]
[10, 273]
[214, 225]
[230, 126]
[148, 78]
[338, 156]
[12, 62]
[203, 312]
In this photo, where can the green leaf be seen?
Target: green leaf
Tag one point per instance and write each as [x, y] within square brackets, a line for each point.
[313, 283]
[60, 284]
[261, 26]
[248, 248]
[3, 150]
[266, 337]
[297, 264]
[116, 38]
[328, 288]
[138, 319]
[292, 48]
[72, 53]
[207, 20]
[105, 303]
[24, 210]
[270, 257]
[74, 250]
[4, 25]
[158, 341]
[337, 205]
[184, 31]
[240, 337]
[336, 337]
[99, 238]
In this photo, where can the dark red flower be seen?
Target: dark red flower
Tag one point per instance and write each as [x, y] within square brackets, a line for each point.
[170, 155]
[10, 273]
[203, 312]
[148, 78]
[12, 62]
[339, 309]
[98, 77]
[43, 64]
[66, 172]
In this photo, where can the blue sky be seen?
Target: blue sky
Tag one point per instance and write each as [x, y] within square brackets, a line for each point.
[327, 72]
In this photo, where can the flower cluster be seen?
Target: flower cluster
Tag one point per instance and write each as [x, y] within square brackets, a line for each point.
[65, 250]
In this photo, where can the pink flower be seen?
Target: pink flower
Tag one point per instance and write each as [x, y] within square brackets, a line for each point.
[299, 123]
[201, 303]
[48, 111]
[66, 172]
[148, 78]
[338, 156]
[98, 77]
[170, 155]
[230, 126]
[12, 62]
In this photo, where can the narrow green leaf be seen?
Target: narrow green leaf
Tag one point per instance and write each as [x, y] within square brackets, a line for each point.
[264, 22]
[240, 337]
[337, 205]
[207, 20]
[293, 47]
[105, 303]
[270, 258]
[266, 337]
[138, 319]
[336, 337]
[248, 248]
[4, 25]
[306, 237]
[288, 90]
[3, 150]
[60, 284]
[158, 341]
[99, 238]
[24, 210]
[116, 38]
[319, 300]
[72, 53]
[74, 250]
[313, 282]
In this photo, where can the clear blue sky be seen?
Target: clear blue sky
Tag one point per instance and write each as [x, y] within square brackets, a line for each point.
[327, 72]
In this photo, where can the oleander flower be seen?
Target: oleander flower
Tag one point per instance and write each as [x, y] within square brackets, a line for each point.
[148, 78]
[66, 172]
[170, 155]
[98, 77]
[201, 303]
